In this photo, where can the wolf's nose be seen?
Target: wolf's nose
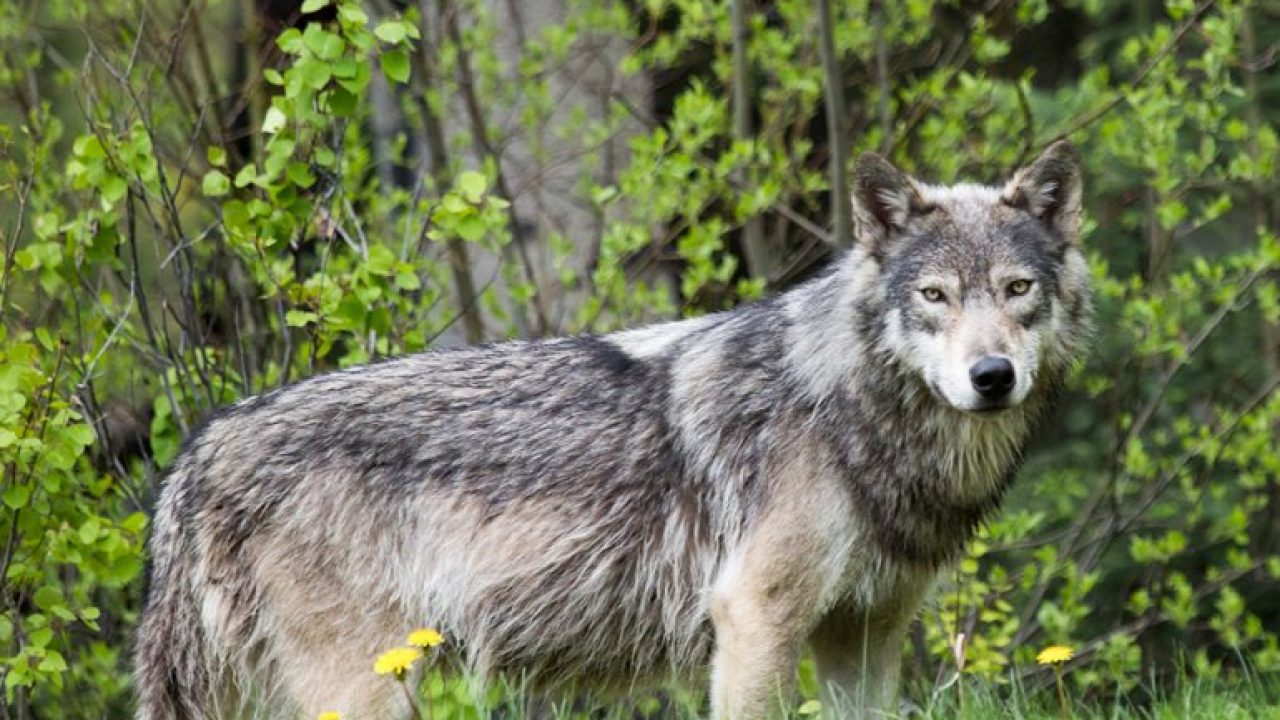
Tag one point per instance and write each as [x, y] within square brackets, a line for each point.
[992, 377]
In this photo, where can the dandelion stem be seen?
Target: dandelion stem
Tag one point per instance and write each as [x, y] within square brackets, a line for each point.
[1062, 693]
[431, 714]
[408, 696]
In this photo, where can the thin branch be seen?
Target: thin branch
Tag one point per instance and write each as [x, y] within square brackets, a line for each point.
[480, 133]
[11, 245]
[1028, 125]
[759, 259]
[438, 157]
[878, 20]
[841, 221]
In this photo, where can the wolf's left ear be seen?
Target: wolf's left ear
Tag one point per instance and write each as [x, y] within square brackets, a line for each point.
[1049, 189]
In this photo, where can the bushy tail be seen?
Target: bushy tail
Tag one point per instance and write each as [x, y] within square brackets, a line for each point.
[172, 670]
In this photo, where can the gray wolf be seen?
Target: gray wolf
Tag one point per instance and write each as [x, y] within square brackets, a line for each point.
[633, 507]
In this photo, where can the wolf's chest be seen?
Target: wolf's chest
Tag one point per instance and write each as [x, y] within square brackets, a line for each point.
[920, 496]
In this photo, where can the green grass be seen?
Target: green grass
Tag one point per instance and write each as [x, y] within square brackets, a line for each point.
[1192, 699]
[1253, 698]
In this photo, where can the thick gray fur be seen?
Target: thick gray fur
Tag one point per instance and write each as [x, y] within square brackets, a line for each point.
[630, 508]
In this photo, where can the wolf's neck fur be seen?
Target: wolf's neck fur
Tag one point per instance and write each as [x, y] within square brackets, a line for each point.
[925, 474]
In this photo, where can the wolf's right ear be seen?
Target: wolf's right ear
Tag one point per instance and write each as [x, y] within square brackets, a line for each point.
[884, 198]
[1050, 189]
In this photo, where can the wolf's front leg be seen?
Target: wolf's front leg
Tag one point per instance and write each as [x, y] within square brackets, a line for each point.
[754, 667]
[772, 588]
[859, 657]
[762, 609]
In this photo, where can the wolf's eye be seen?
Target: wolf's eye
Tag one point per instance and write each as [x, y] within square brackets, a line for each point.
[933, 294]
[1019, 287]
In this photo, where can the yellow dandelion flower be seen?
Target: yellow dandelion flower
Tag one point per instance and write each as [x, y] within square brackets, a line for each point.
[1055, 654]
[425, 638]
[396, 661]
[329, 715]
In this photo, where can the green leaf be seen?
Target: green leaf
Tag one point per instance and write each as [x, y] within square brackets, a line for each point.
[216, 183]
[247, 175]
[41, 637]
[810, 707]
[16, 496]
[408, 281]
[356, 82]
[300, 174]
[290, 41]
[81, 434]
[88, 147]
[471, 228]
[472, 185]
[279, 151]
[310, 6]
[395, 65]
[59, 457]
[49, 254]
[342, 102]
[314, 73]
[352, 14]
[216, 155]
[381, 260]
[274, 121]
[114, 189]
[332, 48]
[90, 531]
[299, 318]
[46, 597]
[236, 214]
[53, 663]
[325, 157]
[322, 43]
[351, 312]
[345, 68]
[45, 338]
[390, 31]
[26, 259]
[135, 523]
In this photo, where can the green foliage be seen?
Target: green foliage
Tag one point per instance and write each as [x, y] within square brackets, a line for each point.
[181, 230]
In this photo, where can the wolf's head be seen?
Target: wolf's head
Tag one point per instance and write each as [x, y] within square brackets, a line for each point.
[984, 286]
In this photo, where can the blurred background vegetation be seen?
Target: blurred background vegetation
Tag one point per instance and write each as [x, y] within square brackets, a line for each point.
[203, 200]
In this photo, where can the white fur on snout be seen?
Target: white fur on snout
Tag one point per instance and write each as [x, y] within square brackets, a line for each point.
[976, 331]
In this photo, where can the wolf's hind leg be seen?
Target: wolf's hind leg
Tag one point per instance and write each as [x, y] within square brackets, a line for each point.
[322, 641]
[351, 692]
[336, 676]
